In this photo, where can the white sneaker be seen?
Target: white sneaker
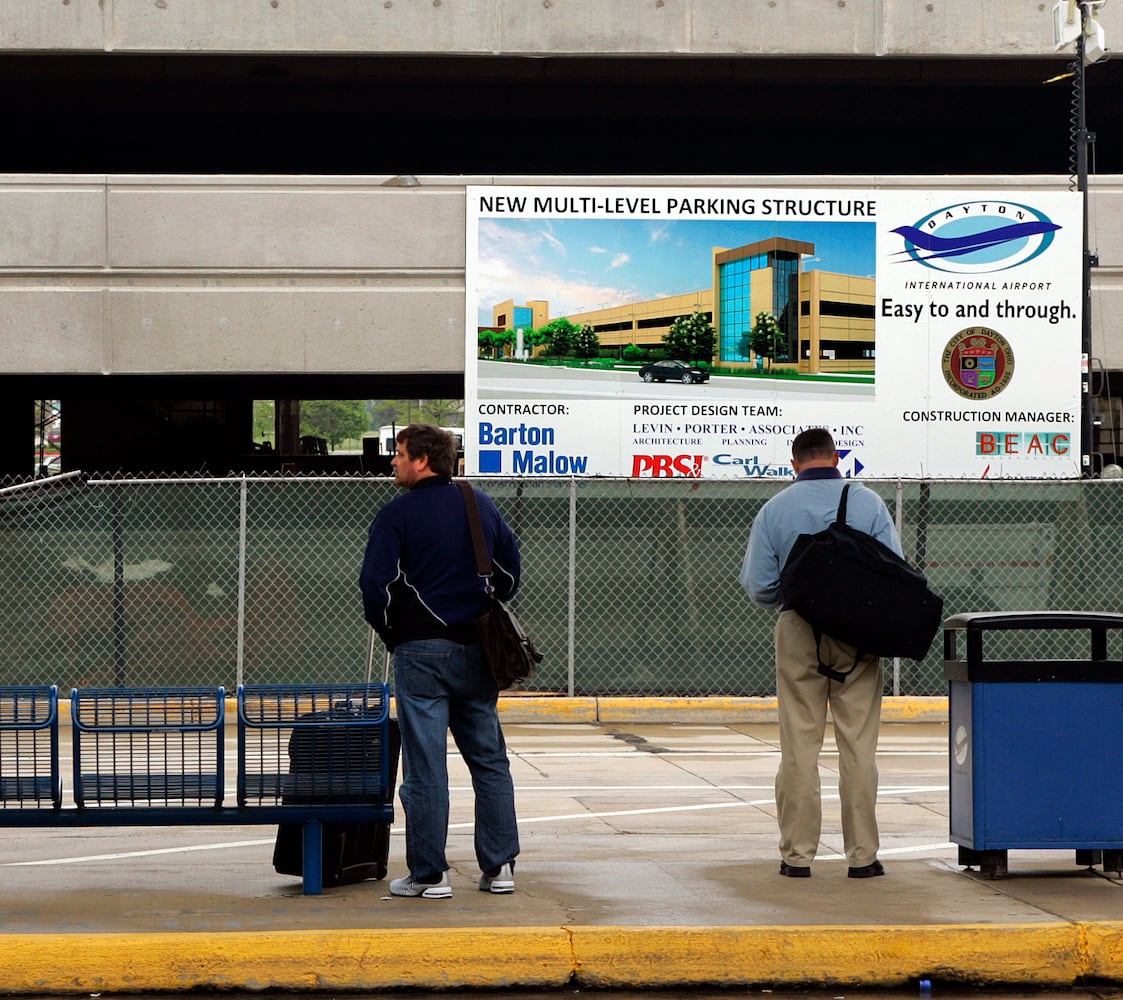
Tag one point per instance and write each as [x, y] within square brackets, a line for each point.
[409, 886]
[502, 881]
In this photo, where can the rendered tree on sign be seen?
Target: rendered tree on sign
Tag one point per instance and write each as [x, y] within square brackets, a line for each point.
[766, 336]
[690, 338]
[560, 334]
[586, 344]
[492, 342]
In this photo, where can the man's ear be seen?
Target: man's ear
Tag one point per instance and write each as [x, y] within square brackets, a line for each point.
[834, 460]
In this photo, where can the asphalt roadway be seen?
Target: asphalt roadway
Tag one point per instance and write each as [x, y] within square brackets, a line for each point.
[503, 380]
[649, 860]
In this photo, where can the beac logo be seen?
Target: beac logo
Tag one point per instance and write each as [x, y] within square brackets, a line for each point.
[1034, 444]
[977, 237]
[660, 466]
[978, 363]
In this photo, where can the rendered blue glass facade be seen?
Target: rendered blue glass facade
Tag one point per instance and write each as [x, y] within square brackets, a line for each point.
[736, 307]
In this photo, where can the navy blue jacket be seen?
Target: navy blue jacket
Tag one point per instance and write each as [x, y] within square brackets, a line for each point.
[419, 577]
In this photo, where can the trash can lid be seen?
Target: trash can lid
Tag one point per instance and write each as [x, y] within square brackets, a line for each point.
[1034, 619]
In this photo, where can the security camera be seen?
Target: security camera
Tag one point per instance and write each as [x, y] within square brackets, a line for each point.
[1095, 48]
[1066, 23]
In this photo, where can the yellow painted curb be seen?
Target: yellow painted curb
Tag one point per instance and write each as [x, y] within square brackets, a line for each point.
[1047, 954]
[914, 708]
[1104, 941]
[712, 710]
[717, 710]
[868, 956]
[529, 709]
[56, 964]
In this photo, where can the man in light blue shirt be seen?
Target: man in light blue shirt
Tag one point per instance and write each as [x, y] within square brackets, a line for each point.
[804, 695]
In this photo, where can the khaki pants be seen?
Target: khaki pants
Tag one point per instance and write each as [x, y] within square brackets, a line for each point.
[855, 707]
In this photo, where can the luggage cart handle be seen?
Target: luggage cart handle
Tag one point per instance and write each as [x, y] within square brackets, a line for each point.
[372, 639]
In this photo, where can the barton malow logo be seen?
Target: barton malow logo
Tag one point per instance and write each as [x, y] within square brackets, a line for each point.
[977, 237]
[978, 363]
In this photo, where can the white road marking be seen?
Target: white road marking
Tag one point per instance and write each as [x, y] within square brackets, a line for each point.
[136, 854]
[523, 820]
[664, 752]
[884, 852]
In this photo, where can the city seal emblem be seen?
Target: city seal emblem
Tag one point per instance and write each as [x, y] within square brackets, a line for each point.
[978, 363]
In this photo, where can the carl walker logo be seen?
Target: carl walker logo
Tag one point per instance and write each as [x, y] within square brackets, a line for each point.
[977, 237]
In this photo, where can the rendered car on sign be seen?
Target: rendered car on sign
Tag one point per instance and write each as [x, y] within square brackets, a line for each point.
[676, 371]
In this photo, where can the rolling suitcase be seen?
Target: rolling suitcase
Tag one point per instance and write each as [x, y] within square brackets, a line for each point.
[352, 852]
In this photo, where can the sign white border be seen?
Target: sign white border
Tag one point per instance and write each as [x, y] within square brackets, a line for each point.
[956, 288]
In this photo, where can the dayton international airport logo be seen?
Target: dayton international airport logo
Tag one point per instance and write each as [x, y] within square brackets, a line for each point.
[977, 237]
[978, 363]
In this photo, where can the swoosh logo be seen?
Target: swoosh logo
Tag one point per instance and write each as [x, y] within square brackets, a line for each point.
[955, 246]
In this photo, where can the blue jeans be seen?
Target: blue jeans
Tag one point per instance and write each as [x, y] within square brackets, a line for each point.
[440, 686]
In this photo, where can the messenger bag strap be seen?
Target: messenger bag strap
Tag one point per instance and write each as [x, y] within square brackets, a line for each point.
[836, 675]
[840, 517]
[475, 526]
[826, 671]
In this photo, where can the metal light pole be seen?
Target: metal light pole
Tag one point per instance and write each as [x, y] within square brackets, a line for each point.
[1085, 30]
[1083, 139]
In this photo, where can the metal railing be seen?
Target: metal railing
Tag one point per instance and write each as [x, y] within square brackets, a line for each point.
[629, 586]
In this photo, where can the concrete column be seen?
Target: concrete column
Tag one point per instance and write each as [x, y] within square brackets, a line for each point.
[288, 426]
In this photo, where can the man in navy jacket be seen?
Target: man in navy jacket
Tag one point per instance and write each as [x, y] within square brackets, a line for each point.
[422, 593]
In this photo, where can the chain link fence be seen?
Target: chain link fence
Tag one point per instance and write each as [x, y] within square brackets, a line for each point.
[629, 586]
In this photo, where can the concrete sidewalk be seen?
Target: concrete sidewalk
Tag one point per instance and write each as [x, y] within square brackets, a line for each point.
[649, 859]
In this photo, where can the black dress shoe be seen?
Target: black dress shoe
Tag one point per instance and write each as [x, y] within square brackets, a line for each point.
[867, 871]
[793, 872]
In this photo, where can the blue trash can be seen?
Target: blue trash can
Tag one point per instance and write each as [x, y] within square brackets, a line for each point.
[1035, 744]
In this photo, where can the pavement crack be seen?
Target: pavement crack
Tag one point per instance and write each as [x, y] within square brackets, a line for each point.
[540, 771]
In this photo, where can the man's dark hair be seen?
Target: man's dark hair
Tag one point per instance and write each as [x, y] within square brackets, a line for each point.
[425, 439]
[811, 444]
